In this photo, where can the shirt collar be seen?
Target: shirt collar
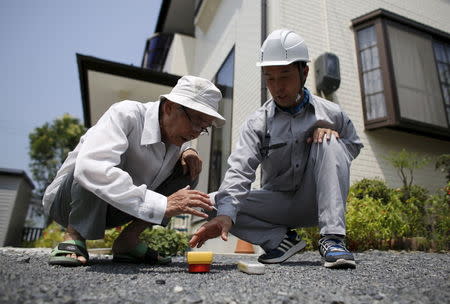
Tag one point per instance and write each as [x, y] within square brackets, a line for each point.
[307, 99]
[152, 131]
[311, 99]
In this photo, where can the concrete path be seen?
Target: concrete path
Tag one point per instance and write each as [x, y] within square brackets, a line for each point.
[380, 277]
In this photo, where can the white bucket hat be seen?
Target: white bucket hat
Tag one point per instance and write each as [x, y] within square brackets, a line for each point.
[198, 94]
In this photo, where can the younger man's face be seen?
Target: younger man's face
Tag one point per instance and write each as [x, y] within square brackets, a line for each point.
[284, 83]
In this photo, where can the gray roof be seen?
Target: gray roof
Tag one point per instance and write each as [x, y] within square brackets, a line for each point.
[17, 172]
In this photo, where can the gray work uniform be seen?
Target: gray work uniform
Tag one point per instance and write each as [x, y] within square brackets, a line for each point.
[302, 184]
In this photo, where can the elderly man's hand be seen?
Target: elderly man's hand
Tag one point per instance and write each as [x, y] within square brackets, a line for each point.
[321, 134]
[191, 162]
[219, 225]
[185, 200]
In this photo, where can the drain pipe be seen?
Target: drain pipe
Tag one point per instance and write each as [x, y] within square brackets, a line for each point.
[263, 37]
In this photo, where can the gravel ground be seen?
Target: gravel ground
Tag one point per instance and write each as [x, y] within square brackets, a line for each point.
[380, 277]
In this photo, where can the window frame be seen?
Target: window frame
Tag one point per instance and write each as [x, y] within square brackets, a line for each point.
[229, 123]
[380, 19]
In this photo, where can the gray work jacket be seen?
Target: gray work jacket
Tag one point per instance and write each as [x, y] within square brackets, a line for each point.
[276, 140]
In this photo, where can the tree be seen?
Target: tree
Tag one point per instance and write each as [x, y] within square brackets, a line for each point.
[49, 146]
[406, 162]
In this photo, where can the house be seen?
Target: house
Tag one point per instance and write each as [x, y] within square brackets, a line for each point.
[392, 69]
[15, 194]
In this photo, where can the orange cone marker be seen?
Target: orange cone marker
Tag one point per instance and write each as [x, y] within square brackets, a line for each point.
[243, 247]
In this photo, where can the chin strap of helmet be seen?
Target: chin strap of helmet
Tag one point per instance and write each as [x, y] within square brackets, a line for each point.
[302, 81]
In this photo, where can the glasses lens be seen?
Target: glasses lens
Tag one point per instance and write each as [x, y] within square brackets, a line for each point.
[195, 126]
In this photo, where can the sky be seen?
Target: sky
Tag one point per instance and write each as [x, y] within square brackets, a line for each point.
[39, 73]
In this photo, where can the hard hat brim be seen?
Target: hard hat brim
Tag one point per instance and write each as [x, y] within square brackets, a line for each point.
[269, 63]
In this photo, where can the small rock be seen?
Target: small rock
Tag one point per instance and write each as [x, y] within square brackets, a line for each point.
[378, 296]
[177, 289]
[44, 288]
[23, 260]
[160, 282]
[68, 300]
[192, 299]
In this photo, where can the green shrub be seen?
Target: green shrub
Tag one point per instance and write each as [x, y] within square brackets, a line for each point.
[167, 242]
[443, 165]
[382, 218]
[51, 236]
[369, 222]
[311, 236]
[438, 218]
[373, 188]
[413, 199]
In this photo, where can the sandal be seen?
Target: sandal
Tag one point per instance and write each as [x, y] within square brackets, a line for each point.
[60, 252]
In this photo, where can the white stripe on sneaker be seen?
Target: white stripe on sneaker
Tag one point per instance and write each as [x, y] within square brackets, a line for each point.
[284, 247]
[287, 242]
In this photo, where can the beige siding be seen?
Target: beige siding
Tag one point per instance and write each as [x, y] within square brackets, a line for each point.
[326, 27]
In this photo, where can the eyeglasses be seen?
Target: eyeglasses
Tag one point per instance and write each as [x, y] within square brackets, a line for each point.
[195, 126]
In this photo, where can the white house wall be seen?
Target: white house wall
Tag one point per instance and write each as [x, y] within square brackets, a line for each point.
[326, 27]
[180, 58]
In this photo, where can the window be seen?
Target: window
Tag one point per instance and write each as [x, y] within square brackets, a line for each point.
[404, 72]
[156, 50]
[442, 53]
[221, 138]
[371, 72]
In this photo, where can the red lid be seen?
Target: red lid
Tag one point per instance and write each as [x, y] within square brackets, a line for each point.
[199, 267]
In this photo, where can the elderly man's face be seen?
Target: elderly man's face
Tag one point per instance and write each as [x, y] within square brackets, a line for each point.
[181, 124]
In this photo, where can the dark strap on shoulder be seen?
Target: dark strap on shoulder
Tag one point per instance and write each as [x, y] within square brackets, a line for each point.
[265, 145]
[266, 138]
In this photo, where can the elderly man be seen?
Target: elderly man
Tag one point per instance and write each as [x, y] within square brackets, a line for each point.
[132, 166]
[305, 145]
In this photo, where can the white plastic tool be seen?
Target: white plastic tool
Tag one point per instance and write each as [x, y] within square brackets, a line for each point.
[251, 267]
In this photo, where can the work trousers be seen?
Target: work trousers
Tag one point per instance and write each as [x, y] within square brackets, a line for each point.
[89, 215]
[265, 216]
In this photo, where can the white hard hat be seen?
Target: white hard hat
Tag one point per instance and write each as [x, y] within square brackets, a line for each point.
[283, 47]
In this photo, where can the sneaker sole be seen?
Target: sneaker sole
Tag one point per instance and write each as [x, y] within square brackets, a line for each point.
[286, 255]
[340, 264]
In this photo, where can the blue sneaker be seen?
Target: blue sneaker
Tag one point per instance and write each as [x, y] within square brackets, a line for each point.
[290, 245]
[334, 254]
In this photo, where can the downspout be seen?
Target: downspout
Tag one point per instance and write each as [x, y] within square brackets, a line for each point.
[263, 37]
